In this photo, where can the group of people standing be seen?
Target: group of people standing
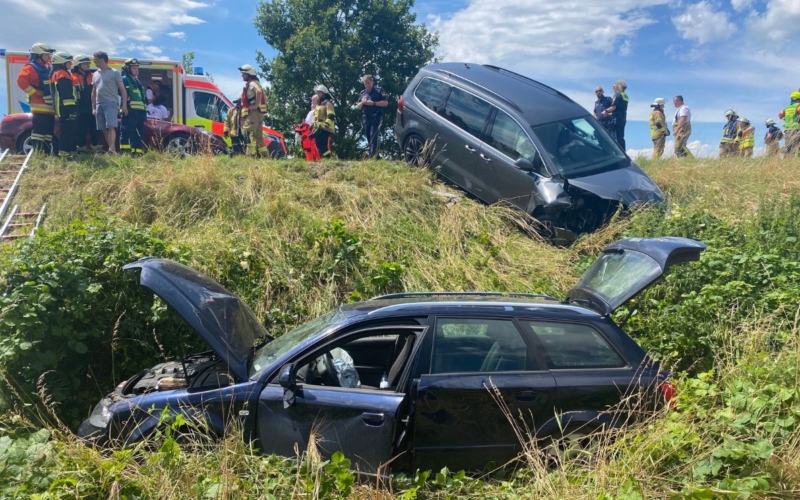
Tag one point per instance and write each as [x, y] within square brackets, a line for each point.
[86, 102]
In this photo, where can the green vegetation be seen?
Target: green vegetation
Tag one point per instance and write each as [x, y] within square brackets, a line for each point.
[295, 239]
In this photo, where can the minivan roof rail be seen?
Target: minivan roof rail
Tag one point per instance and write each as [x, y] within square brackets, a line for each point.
[531, 80]
[495, 94]
[411, 295]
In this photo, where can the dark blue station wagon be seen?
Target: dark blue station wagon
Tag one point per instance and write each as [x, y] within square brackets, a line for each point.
[412, 377]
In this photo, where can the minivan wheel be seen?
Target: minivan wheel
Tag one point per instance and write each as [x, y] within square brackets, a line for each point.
[414, 151]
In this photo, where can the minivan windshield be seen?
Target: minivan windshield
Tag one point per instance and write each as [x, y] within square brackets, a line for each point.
[580, 147]
[268, 353]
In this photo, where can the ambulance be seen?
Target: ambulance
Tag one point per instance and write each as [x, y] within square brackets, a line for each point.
[192, 100]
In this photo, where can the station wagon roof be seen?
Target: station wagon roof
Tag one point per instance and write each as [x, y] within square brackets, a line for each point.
[537, 102]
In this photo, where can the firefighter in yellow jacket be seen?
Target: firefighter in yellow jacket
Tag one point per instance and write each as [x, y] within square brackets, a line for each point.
[324, 124]
[233, 127]
[747, 139]
[658, 127]
[254, 105]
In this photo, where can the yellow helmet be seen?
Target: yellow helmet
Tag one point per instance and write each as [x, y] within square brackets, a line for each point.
[41, 48]
[62, 57]
[795, 95]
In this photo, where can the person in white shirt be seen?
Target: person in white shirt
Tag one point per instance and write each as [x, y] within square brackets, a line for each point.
[156, 110]
[310, 115]
[682, 127]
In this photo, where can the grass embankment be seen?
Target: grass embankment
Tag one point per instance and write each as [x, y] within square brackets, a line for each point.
[295, 239]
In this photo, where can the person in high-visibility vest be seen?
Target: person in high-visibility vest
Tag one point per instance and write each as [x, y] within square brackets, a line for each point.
[34, 80]
[87, 125]
[791, 124]
[65, 104]
[233, 127]
[324, 121]
[131, 139]
[773, 137]
[747, 139]
[658, 127]
[254, 105]
[729, 144]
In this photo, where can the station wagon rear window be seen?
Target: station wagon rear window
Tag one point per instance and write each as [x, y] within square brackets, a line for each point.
[574, 346]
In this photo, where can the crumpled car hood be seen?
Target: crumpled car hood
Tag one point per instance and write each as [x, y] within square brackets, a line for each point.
[629, 185]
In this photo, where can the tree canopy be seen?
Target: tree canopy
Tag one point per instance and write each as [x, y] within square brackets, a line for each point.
[335, 42]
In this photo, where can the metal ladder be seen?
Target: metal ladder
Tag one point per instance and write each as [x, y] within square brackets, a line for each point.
[17, 223]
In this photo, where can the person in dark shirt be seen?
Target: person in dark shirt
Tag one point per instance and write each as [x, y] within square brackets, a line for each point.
[371, 102]
[619, 111]
[602, 103]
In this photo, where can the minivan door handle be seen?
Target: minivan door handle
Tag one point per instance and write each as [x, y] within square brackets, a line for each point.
[373, 419]
[526, 396]
[486, 158]
[471, 150]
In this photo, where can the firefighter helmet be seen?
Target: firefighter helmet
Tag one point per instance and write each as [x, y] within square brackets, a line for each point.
[745, 120]
[246, 68]
[730, 112]
[795, 95]
[321, 88]
[41, 48]
[81, 58]
[659, 101]
[131, 62]
[769, 122]
[62, 57]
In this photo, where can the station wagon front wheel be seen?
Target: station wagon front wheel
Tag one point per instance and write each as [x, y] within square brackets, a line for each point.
[575, 443]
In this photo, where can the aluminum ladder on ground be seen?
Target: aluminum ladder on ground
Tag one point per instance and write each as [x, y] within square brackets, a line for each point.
[17, 223]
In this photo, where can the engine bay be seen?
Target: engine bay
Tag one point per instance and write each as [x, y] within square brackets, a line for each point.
[201, 371]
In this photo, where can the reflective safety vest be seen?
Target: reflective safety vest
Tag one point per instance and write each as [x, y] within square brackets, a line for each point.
[748, 137]
[135, 90]
[233, 123]
[658, 124]
[325, 116]
[790, 117]
[63, 88]
[253, 98]
[730, 132]
[83, 86]
[35, 77]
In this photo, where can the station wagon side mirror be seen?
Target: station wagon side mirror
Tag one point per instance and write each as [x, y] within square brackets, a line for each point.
[287, 380]
[525, 165]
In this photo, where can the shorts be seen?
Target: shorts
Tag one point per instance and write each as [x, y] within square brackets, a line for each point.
[106, 115]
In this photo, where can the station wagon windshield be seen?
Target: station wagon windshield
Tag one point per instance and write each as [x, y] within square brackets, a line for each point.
[580, 147]
[268, 353]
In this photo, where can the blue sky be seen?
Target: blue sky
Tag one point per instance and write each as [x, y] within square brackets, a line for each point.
[719, 54]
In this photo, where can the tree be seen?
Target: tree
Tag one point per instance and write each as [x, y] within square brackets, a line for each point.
[335, 42]
[187, 61]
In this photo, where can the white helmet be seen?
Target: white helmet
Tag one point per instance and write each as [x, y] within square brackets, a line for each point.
[246, 68]
[321, 88]
[730, 112]
[659, 101]
[744, 120]
[41, 48]
[62, 57]
[81, 58]
[769, 121]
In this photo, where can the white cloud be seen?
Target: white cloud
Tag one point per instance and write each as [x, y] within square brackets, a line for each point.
[180, 35]
[701, 23]
[741, 5]
[778, 23]
[516, 29]
[89, 28]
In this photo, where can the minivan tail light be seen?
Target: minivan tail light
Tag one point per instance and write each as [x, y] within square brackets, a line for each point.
[400, 105]
[670, 393]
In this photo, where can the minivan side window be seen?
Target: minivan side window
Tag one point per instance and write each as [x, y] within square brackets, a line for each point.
[466, 111]
[430, 93]
[574, 346]
[509, 138]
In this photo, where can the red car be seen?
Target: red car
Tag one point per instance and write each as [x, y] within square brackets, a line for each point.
[15, 134]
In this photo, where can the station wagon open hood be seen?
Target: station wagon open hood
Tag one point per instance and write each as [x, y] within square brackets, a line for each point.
[629, 185]
[629, 266]
[221, 318]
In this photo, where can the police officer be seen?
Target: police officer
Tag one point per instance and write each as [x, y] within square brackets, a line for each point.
[132, 134]
[371, 102]
[658, 127]
[618, 111]
[65, 103]
[233, 127]
[773, 137]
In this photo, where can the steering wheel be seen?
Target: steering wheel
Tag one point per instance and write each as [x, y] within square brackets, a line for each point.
[329, 376]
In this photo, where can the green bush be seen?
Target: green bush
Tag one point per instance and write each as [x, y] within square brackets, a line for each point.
[72, 321]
